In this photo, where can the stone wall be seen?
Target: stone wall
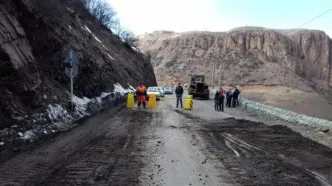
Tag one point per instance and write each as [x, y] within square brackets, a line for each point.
[286, 115]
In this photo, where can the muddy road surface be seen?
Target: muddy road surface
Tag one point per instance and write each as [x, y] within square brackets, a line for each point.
[174, 147]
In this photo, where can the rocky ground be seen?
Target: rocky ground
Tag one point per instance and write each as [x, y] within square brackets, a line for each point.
[169, 146]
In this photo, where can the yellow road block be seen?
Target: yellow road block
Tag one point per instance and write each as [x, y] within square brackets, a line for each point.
[152, 101]
[130, 100]
[188, 104]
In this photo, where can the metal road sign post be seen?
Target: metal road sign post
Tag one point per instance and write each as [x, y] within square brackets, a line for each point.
[71, 71]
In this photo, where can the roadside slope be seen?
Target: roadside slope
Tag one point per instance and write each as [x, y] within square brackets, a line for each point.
[34, 39]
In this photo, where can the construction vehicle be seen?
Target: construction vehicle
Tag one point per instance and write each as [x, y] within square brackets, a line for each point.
[198, 87]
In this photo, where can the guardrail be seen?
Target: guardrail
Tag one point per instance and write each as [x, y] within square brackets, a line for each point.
[284, 114]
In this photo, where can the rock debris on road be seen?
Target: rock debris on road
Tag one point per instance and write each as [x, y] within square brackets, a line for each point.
[169, 146]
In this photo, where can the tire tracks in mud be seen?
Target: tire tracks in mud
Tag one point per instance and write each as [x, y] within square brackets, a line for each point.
[112, 159]
[257, 154]
[102, 152]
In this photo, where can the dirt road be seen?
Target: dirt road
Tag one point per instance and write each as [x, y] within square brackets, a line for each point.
[169, 146]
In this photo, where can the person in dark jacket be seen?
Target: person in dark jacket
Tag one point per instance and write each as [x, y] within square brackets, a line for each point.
[192, 79]
[221, 99]
[179, 93]
[228, 98]
[236, 97]
[216, 100]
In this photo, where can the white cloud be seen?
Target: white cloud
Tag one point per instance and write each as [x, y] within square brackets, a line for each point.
[177, 15]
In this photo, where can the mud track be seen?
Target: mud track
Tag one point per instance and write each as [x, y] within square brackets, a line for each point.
[112, 155]
[257, 154]
[172, 147]
[111, 158]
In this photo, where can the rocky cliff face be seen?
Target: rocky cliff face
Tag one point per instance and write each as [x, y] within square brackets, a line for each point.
[34, 39]
[249, 55]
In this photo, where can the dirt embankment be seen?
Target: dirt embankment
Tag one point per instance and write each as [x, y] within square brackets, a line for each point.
[34, 39]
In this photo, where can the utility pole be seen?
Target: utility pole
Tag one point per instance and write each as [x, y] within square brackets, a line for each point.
[213, 70]
[71, 80]
[221, 62]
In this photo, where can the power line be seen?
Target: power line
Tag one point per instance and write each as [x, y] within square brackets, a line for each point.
[318, 16]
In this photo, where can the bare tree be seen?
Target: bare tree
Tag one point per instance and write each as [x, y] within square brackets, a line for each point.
[102, 11]
[107, 16]
[128, 37]
[117, 28]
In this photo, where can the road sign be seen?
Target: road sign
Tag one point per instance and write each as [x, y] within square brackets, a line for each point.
[75, 71]
[72, 60]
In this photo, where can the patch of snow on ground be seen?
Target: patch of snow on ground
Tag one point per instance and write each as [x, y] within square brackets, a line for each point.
[99, 99]
[131, 87]
[69, 27]
[134, 48]
[96, 38]
[2, 143]
[118, 88]
[81, 105]
[105, 47]
[110, 57]
[70, 10]
[20, 134]
[123, 40]
[87, 29]
[56, 112]
[28, 135]
[104, 94]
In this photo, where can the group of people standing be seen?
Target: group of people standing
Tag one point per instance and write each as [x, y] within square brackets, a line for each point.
[232, 98]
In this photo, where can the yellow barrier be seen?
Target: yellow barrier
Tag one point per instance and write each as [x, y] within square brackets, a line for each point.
[130, 100]
[152, 101]
[188, 104]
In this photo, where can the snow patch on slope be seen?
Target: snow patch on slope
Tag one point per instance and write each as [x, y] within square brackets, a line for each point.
[56, 112]
[134, 48]
[60, 118]
[118, 88]
[28, 135]
[96, 38]
[105, 47]
[110, 56]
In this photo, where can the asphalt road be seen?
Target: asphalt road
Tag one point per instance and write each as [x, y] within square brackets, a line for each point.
[169, 146]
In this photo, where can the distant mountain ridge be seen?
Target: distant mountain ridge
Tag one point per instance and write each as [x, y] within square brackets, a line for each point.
[246, 55]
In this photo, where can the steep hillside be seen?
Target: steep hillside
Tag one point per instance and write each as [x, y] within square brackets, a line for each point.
[243, 56]
[34, 39]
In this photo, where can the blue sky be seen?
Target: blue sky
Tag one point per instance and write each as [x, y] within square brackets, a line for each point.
[143, 16]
